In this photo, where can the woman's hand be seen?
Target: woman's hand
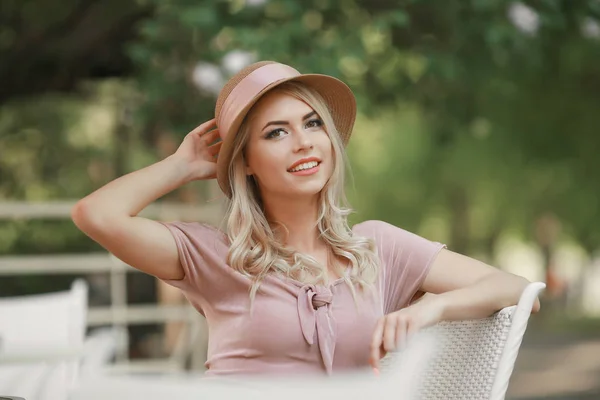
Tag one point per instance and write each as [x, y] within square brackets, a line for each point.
[197, 152]
[395, 329]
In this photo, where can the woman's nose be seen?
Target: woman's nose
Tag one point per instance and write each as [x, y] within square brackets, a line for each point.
[303, 140]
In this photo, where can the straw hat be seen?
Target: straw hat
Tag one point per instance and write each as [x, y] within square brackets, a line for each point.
[245, 88]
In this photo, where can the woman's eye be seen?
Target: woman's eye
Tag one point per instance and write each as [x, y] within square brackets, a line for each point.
[275, 133]
[314, 123]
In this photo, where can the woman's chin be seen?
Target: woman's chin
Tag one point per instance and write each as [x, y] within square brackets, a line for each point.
[296, 191]
[309, 188]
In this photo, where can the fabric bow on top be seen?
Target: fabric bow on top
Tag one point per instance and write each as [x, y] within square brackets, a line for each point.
[314, 310]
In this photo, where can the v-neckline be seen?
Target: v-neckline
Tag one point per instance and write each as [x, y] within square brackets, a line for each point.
[300, 284]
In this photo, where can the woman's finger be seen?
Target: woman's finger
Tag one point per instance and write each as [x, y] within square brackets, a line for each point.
[211, 136]
[215, 148]
[389, 333]
[212, 175]
[204, 127]
[376, 342]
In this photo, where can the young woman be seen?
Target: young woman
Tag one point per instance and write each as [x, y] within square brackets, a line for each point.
[289, 287]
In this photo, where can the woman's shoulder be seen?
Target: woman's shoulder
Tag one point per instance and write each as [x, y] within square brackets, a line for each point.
[373, 228]
[385, 234]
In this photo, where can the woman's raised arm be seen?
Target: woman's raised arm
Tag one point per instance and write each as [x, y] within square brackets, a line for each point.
[109, 215]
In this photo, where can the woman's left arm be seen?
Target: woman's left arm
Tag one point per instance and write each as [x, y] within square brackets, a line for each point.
[468, 289]
[457, 287]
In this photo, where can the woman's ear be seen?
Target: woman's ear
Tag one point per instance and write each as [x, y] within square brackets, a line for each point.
[249, 170]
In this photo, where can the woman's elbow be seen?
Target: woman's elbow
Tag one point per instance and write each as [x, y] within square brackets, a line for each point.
[79, 214]
[86, 217]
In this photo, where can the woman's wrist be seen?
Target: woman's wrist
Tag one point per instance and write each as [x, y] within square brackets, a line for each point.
[436, 303]
[182, 167]
[439, 304]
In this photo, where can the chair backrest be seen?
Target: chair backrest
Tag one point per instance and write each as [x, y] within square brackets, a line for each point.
[100, 346]
[472, 359]
[39, 381]
[43, 324]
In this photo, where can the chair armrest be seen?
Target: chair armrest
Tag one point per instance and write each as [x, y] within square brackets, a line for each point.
[520, 318]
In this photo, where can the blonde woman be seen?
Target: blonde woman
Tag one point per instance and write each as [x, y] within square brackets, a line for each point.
[289, 287]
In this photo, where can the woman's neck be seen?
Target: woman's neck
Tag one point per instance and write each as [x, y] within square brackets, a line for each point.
[295, 223]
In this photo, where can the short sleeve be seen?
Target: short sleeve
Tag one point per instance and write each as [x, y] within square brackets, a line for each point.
[405, 261]
[202, 253]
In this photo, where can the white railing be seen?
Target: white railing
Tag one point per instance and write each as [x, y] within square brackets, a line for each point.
[70, 264]
[210, 212]
[118, 314]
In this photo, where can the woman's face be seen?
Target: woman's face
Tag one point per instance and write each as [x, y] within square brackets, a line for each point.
[288, 151]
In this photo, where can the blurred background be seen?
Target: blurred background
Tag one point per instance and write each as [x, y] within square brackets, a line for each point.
[478, 126]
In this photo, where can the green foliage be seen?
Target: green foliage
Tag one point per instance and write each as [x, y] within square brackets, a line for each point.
[469, 124]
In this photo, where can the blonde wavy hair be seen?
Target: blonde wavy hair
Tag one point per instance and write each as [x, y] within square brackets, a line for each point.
[255, 251]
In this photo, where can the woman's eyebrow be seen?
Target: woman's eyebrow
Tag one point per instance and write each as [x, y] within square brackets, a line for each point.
[310, 114]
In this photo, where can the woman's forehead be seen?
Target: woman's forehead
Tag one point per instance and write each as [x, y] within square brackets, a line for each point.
[279, 106]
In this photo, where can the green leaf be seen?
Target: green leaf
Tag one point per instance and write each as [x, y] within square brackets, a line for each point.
[198, 16]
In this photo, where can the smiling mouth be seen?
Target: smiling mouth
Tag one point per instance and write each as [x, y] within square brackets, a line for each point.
[305, 166]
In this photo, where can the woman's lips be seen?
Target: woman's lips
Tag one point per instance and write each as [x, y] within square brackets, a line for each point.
[309, 171]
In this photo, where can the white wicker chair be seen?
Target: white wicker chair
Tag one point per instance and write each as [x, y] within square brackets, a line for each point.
[456, 360]
[41, 341]
[100, 346]
[472, 359]
[43, 323]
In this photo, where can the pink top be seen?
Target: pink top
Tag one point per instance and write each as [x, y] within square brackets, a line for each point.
[294, 327]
